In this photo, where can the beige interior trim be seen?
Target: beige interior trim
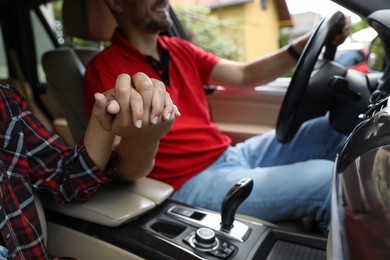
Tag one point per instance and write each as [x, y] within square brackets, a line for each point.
[41, 216]
[329, 245]
[152, 189]
[66, 242]
[244, 128]
[116, 204]
[61, 127]
[241, 132]
[255, 220]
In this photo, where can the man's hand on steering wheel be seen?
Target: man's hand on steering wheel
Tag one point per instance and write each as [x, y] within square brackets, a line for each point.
[300, 43]
[346, 31]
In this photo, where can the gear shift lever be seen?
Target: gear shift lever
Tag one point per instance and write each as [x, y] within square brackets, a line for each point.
[235, 196]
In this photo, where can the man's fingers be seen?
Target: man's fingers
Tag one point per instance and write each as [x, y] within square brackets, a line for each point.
[144, 86]
[122, 91]
[158, 101]
[153, 94]
[129, 101]
[137, 110]
[170, 110]
[345, 32]
[141, 100]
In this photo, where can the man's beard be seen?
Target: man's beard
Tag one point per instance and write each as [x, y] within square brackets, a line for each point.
[157, 26]
[152, 25]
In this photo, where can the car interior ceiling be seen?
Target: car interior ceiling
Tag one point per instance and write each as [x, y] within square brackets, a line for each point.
[360, 7]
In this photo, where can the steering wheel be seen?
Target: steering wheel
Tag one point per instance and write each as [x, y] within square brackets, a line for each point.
[304, 101]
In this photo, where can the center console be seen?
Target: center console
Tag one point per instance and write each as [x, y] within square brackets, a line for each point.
[199, 231]
[173, 230]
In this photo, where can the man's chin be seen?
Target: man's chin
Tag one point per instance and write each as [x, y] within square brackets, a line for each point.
[159, 26]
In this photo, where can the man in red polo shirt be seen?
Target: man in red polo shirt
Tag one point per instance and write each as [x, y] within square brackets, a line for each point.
[290, 180]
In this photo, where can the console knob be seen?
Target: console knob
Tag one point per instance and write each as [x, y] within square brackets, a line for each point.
[205, 236]
[205, 239]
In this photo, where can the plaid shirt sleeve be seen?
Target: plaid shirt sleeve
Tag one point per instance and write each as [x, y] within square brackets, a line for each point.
[33, 158]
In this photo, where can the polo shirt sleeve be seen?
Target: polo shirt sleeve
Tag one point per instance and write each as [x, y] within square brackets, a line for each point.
[204, 60]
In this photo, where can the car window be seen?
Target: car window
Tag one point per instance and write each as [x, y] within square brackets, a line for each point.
[350, 57]
[235, 30]
[3, 64]
[43, 43]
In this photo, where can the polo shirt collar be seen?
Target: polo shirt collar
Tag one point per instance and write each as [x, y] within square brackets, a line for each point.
[128, 50]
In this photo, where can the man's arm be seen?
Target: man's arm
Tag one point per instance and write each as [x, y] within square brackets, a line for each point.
[140, 112]
[258, 72]
[267, 68]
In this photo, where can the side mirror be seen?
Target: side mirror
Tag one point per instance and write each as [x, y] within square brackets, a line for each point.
[376, 56]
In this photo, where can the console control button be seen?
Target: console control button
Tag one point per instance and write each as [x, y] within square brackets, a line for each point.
[183, 211]
[224, 251]
[205, 237]
[206, 241]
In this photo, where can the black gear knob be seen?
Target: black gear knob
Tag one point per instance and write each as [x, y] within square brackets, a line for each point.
[233, 199]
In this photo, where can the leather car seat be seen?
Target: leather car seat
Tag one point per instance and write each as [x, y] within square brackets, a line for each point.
[65, 66]
[41, 216]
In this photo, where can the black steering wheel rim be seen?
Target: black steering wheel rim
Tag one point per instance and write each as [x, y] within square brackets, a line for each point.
[290, 118]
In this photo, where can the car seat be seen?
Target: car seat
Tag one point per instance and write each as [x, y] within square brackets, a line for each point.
[65, 66]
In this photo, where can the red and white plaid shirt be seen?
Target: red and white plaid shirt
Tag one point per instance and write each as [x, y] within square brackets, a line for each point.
[33, 158]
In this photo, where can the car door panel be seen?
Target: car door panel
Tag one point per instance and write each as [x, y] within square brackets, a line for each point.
[245, 113]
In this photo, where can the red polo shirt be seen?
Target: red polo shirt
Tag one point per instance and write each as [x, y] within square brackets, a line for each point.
[194, 142]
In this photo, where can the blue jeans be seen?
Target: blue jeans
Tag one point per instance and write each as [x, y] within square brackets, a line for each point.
[3, 253]
[291, 180]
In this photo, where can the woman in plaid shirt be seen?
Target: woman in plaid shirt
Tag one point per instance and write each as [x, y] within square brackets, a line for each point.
[33, 158]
